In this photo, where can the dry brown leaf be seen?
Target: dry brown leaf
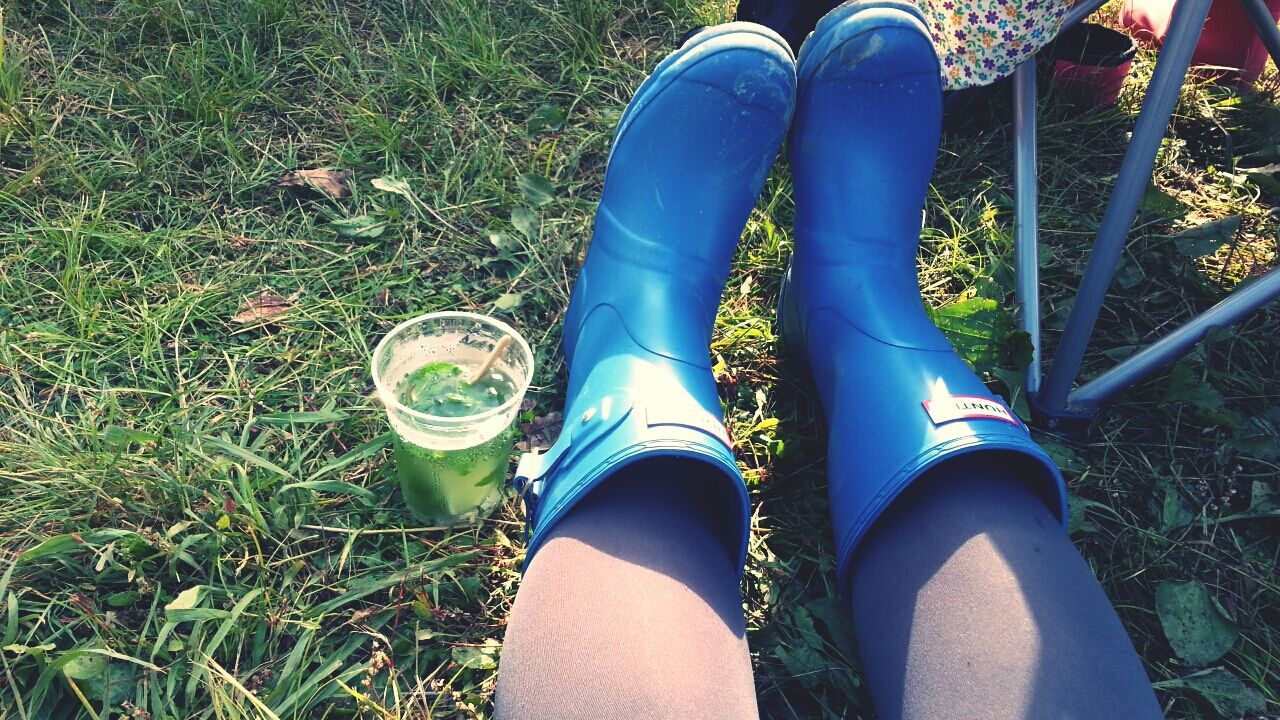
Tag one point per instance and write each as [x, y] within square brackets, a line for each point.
[540, 433]
[263, 306]
[330, 182]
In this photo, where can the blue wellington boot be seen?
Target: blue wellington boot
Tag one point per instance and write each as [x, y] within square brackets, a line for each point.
[689, 159]
[897, 399]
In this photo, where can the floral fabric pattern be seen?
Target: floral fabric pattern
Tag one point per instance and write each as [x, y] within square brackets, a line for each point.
[982, 41]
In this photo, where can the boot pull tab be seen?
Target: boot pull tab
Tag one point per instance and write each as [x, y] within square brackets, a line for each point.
[579, 435]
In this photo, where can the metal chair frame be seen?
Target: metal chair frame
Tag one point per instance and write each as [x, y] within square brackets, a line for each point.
[1055, 404]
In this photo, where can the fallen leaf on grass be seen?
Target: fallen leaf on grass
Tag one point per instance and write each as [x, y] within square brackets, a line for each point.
[360, 227]
[540, 433]
[1207, 238]
[478, 657]
[504, 242]
[1193, 623]
[263, 306]
[1266, 177]
[508, 301]
[332, 183]
[1174, 511]
[544, 119]
[360, 616]
[977, 327]
[121, 438]
[394, 185]
[85, 666]
[525, 222]
[1160, 204]
[1227, 693]
[536, 189]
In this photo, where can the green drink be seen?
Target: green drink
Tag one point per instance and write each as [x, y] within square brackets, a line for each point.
[452, 417]
[443, 484]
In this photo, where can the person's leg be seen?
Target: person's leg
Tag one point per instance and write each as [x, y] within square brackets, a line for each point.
[970, 601]
[631, 609]
[629, 606]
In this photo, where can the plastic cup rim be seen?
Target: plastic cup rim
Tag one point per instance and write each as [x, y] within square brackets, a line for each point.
[393, 404]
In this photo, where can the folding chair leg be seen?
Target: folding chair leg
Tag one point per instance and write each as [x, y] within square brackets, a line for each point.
[1135, 173]
[1234, 308]
[1026, 254]
[1265, 25]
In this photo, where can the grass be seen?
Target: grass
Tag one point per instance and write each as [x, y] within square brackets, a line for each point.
[198, 518]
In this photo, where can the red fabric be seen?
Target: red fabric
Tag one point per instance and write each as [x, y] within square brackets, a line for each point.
[1221, 42]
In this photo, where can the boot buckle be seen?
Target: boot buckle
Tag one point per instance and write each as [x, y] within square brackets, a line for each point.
[577, 437]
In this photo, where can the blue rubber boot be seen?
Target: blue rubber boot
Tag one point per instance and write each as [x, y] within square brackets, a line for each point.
[897, 400]
[689, 159]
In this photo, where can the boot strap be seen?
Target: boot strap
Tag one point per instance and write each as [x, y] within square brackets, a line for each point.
[591, 427]
[577, 437]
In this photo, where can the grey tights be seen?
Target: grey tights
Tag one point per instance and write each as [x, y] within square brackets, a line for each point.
[969, 602]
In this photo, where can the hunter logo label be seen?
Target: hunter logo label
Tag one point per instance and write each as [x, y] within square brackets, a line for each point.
[966, 407]
[658, 414]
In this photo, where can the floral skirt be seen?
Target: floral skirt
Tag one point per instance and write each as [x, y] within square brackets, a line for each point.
[982, 41]
[978, 41]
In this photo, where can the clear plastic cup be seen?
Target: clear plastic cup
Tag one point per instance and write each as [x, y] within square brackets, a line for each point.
[451, 460]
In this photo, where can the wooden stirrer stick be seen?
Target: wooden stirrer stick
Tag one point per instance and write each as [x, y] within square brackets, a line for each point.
[498, 349]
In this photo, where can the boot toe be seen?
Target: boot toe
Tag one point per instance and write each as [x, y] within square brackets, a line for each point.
[868, 113]
[697, 140]
[721, 72]
[872, 42]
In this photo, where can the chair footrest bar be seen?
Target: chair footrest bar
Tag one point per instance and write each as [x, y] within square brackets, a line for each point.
[1237, 306]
